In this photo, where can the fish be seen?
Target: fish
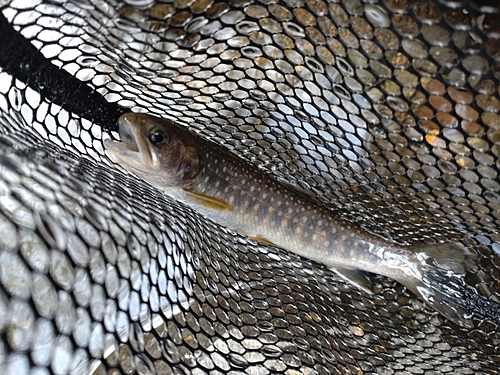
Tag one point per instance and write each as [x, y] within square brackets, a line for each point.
[233, 193]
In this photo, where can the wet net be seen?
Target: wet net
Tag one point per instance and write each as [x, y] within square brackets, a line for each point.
[386, 112]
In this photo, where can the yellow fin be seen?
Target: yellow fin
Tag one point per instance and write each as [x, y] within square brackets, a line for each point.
[262, 241]
[209, 202]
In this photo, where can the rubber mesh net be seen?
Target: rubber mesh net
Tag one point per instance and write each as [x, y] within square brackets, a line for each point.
[385, 111]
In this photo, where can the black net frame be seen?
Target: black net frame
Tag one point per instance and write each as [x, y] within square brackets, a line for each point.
[386, 112]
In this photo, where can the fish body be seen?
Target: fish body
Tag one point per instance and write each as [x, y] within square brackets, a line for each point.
[237, 195]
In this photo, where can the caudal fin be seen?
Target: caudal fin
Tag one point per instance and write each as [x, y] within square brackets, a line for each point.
[438, 280]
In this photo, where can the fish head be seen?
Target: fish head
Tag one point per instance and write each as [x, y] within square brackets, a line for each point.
[156, 149]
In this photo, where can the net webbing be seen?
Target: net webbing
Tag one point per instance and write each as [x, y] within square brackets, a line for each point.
[385, 111]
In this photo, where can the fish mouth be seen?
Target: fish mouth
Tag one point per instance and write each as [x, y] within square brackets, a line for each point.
[133, 150]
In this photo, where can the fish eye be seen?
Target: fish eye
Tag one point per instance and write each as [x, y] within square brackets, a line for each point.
[157, 137]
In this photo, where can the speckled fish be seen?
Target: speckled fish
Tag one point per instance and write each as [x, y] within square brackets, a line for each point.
[237, 195]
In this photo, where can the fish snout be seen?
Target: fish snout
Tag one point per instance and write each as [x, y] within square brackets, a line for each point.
[127, 133]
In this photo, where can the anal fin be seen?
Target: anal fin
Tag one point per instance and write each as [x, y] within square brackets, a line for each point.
[356, 277]
[208, 202]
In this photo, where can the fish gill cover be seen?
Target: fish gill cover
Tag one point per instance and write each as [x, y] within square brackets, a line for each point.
[386, 112]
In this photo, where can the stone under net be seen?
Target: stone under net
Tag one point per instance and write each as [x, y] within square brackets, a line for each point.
[385, 112]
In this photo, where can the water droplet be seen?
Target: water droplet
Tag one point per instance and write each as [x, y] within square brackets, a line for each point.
[377, 16]
[294, 30]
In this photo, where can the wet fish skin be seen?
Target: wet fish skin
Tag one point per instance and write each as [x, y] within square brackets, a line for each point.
[235, 194]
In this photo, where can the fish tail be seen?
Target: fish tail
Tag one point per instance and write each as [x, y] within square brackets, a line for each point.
[437, 278]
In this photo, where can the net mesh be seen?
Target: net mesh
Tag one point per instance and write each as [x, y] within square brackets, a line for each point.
[386, 112]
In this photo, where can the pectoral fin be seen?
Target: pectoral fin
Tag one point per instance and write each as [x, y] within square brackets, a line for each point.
[208, 202]
[355, 277]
